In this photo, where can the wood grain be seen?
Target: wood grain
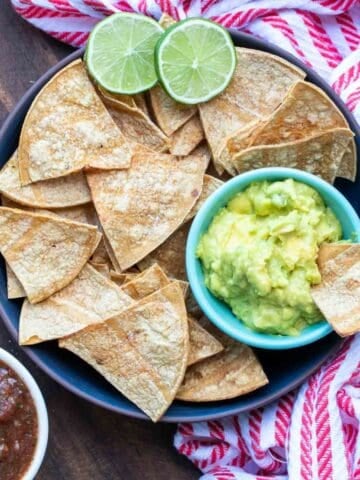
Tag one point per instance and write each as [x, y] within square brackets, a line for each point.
[85, 441]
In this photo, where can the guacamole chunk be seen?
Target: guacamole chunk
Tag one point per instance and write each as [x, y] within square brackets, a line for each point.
[259, 254]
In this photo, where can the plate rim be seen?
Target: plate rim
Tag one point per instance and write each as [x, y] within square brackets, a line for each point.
[240, 39]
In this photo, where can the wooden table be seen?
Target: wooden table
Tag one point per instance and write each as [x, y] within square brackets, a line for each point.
[85, 441]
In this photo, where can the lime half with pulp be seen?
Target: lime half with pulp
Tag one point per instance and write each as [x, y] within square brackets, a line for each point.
[120, 53]
[195, 60]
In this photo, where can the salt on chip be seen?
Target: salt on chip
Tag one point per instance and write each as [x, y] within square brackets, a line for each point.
[45, 252]
[267, 76]
[137, 127]
[202, 343]
[233, 372]
[55, 193]
[139, 208]
[320, 154]
[107, 349]
[67, 129]
[170, 255]
[169, 114]
[89, 299]
[338, 294]
[187, 137]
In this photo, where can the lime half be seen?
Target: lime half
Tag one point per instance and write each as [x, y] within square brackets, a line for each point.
[120, 53]
[195, 60]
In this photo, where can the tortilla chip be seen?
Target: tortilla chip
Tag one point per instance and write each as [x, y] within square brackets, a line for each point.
[57, 193]
[202, 343]
[187, 137]
[45, 252]
[184, 287]
[146, 283]
[348, 165]
[118, 278]
[14, 287]
[140, 103]
[267, 76]
[209, 186]
[166, 21]
[157, 327]
[328, 251]
[116, 98]
[233, 372]
[320, 155]
[68, 128]
[107, 349]
[169, 114]
[338, 295]
[141, 207]
[137, 127]
[102, 268]
[170, 256]
[89, 299]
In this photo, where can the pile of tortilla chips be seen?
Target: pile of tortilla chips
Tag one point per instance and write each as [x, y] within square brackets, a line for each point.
[97, 203]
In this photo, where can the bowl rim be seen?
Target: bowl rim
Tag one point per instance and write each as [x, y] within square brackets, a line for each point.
[205, 215]
[14, 119]
[41, 411]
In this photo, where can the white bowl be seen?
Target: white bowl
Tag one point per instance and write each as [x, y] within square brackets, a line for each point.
[42, 416]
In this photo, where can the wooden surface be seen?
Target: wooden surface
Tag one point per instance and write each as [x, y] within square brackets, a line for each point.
[86, 442]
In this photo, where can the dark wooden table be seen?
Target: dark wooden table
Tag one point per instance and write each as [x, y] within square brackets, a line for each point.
[85, 441]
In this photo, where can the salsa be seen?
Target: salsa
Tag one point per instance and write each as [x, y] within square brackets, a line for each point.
[18, 425]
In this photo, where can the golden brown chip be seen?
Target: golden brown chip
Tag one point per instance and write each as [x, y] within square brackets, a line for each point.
[187, 137]
[320, 155]
[233, 372]
[89, 299]
[68, 128]
[107, 349]
[170, 256]
[158, 328]
[209, 186]
[137, 127]
[56, 193]
[348, 165]
[146, 283]
[327, 251]
[14, 287]
[140, 103]
[45, 252]
[202, 343]
[102, 268]
[267, 76]
[116, 98]
[118, 278]
[169, 114]
[338, 295]
[139, 208]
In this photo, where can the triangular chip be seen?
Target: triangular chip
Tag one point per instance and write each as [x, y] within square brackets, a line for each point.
[68, 128]
[348, 165]
[14, 287]
[157, 327]
[116, 98]
[89, 299]
[56, 193]
[319, 155]
[202, 343]
[146, 283]
[137, 127]
[139, 208]
[170, 256]
[45, 252]
[102, 268]
[107, 349]
[233, 372]
[210, 185]
[338, 295]
[267, 76]
[187, 137]
[118, 278]
[328, 251]
[169, 114]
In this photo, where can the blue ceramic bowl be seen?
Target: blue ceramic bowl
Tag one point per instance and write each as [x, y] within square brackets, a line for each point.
[217, 311]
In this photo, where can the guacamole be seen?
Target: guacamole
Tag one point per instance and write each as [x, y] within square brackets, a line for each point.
[259, 254]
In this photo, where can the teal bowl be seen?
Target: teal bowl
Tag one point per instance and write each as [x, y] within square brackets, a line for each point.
[217, 311]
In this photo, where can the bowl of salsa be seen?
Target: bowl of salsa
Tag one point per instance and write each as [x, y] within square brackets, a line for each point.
[23, 421]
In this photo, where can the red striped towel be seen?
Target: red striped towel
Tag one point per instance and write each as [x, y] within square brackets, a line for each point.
[313, 433]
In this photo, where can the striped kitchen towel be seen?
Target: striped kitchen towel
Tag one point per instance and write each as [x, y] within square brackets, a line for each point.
[313, 433]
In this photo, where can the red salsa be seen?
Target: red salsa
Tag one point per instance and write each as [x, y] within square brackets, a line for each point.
[18, 425]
